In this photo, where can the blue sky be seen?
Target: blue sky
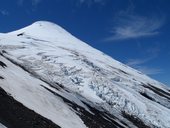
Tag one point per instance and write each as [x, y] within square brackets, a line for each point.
[135, 32]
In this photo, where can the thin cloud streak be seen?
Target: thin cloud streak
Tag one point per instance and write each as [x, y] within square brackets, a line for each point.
[20, 2]
[149, 71]
[139, 65]
[132, 26]
[89, 3]
[36, 2]
[4, 12]
[33, 2]
[135, 62]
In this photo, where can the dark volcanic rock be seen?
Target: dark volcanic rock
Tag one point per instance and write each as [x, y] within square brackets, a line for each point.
[2, 64]
[14, 115]
[1, 77]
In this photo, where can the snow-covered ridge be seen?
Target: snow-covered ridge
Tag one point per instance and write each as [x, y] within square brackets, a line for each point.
[55, 56]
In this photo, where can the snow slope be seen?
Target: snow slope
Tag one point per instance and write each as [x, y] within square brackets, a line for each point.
[56, 57]
[28, 91]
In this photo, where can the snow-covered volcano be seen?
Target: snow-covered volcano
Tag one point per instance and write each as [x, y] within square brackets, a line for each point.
[68, 82]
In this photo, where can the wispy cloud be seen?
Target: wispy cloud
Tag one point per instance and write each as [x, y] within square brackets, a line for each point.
[133, 26]
[149, 71]
[140, 64]
[36, 2]
[20, 2]
[33, 2]
[89, 3]
[136, 62]
[4, 12]
[151, 54]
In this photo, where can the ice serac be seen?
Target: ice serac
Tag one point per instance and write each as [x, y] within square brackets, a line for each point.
[86, 76]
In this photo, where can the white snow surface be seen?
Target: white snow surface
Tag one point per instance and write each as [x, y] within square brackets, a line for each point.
[56, 56]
